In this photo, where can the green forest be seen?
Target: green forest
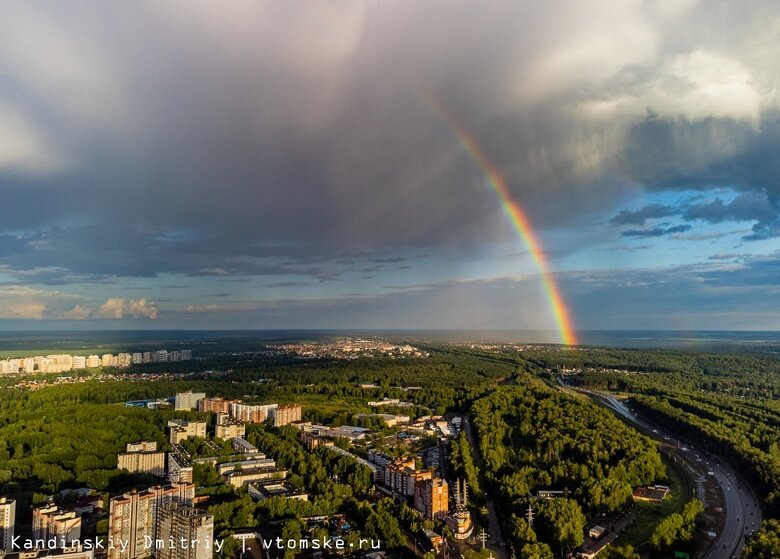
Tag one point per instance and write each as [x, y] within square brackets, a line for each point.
[533, 437]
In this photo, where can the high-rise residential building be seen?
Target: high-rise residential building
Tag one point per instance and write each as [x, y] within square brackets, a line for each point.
[93, 361]
[185, 524]
[431, 498]
[138, 358]
[188, 400]
[179, 468]
[141, 446]
[55, 363]
[401, 476]
[147, 357]
[7, 522]
[228, 428]
[181, 430]
[250, 413]
[50, 521]
[216, 405]
[75, 552]
[186, 354]
[143, 458]
[286, 414]
[133, 517]
[107, 360]
[160, 356]
[79, 362]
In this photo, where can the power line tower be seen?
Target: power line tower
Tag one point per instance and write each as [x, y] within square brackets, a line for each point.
[529, 516]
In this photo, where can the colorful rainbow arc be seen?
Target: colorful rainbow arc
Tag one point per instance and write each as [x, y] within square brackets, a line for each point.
[518, 218]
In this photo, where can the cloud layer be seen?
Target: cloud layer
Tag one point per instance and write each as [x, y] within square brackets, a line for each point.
[293, 144]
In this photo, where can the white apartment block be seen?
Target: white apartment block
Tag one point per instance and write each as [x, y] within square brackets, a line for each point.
[7, 523]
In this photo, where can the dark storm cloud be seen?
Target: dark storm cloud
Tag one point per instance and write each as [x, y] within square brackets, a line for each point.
[664, 155]
[654, 232]
[271, 138]
[762, 231]
[638, 217]
[748, 206]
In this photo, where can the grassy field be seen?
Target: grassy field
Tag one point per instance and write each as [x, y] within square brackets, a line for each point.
[648, 515]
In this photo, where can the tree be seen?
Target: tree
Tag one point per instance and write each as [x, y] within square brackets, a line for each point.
[765, 543]
[536, 551]
[562, 522]
[678, 528]
[521, 533]
[291, 532]
[622, 552]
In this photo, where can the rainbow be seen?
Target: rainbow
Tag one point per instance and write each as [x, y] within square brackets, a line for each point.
[518, 218]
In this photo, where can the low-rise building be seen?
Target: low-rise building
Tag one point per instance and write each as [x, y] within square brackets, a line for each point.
[653, 493]
[389, 420]
[262, 490]
[253, 463]
[242, 477]
[243, 446]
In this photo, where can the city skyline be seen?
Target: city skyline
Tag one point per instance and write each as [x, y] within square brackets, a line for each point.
[267, 165]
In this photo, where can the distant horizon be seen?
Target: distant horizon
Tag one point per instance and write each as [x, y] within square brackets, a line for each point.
[505, 330]
[53, 341]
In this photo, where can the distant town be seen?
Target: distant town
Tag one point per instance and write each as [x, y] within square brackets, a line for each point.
[345, 349]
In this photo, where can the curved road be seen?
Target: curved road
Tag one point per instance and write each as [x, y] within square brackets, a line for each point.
[741, 508]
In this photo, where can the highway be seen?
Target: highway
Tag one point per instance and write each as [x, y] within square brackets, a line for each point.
[741, 509]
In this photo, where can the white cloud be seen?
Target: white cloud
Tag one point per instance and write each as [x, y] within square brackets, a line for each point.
[78, 313]
[201, 308]
[119, 308]
[24, 302]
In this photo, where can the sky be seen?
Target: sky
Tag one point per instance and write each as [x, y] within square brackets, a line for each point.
[275, 164]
